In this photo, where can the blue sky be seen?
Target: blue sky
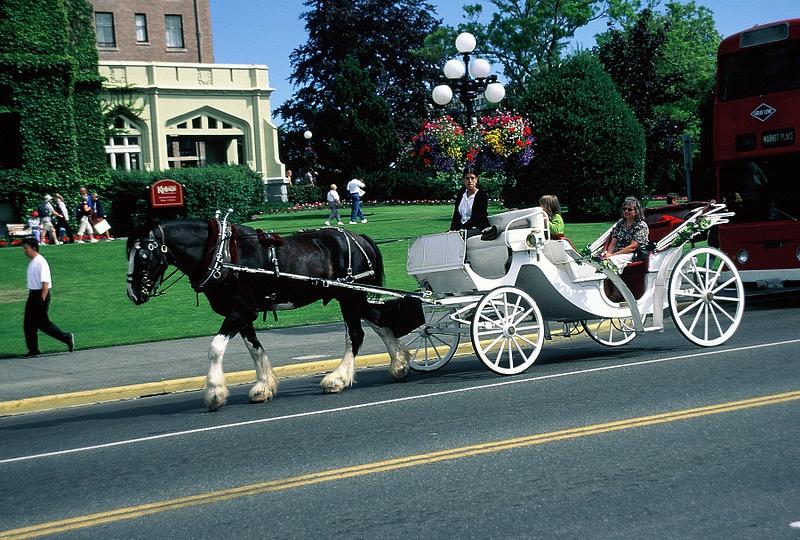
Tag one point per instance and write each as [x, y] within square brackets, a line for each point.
[267, 31]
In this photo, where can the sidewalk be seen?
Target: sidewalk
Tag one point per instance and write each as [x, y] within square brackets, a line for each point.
[90, 376]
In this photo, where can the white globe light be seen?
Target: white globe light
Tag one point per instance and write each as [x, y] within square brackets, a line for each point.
[479, 68]
[307, 134]
[454, 69]
[465, 43]
[442, 94]
[494, 92]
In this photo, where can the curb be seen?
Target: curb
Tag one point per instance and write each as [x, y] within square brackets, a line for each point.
[188, 384]
[191, 384]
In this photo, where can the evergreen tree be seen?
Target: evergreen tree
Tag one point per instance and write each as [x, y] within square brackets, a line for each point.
[381, 36]
[360, 131]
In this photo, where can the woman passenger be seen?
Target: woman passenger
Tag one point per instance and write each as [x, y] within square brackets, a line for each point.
[629, 236]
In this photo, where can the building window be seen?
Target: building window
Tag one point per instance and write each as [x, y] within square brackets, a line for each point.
[124, 150]
[104, 29]
[174, 26]
[141, 28]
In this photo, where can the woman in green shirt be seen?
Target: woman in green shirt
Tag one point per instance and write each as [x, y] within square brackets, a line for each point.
[550, 204]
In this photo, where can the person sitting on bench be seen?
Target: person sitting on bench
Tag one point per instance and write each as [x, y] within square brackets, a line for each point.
[629, 236]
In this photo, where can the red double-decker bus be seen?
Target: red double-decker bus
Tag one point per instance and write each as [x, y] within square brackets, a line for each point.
[756, 154]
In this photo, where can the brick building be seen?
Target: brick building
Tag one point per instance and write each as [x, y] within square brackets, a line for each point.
[154, 30]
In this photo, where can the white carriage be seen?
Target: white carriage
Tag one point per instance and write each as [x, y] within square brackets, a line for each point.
[505, 292]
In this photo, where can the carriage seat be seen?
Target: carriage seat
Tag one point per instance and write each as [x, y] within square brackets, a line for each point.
[492, 258]
[556, 252]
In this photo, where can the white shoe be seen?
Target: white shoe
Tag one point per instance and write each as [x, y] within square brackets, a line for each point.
[340, 223]
[79, 242]
[58, 243]
[364, 220]
[328, 223]
[93, 241]
[352, 222]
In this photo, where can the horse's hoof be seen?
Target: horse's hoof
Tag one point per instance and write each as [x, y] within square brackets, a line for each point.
[216, 398]
[400, 373]
[261, 393]
[332, 385]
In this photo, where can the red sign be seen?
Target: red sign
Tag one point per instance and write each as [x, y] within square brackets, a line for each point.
[166, 194]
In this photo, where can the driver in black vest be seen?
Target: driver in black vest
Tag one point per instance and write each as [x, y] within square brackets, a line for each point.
[471, 208]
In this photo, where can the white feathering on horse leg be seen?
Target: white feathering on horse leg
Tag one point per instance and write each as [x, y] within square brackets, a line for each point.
[216, 393]
[398, 364]
[266, 386]
[344, 375]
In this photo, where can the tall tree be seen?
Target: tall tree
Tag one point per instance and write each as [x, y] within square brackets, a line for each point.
[380, 35]
[663, 65]
[525, 36]
[359, 131]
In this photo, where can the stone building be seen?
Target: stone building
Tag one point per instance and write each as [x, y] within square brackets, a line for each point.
[171, 106]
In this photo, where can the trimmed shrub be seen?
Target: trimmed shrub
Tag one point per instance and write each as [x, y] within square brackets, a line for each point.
[590, 147]
[207, 189]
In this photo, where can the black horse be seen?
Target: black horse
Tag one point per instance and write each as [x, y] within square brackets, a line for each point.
[205, 250]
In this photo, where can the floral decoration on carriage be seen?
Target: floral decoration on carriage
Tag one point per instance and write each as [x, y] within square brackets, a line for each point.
[499, 139]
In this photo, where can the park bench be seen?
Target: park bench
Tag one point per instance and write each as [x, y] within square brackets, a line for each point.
[17, 230]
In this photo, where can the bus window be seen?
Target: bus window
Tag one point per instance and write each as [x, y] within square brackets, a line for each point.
[762, 70]
[762, 190]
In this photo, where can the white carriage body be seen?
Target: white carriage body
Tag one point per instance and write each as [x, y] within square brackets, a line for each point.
[523, 255]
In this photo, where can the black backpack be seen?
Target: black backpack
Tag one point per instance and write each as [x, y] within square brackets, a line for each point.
[43, 209]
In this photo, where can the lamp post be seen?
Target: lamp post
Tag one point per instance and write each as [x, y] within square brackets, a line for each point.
[468, 78]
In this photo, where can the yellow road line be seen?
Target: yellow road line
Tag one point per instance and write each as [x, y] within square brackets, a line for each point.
[331, 475]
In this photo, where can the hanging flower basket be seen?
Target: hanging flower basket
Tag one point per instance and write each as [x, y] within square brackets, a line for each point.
[499, 139]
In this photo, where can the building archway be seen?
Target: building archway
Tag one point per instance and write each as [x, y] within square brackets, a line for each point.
[206, 136]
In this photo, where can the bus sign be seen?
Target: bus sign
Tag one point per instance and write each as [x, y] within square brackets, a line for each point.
[763, 112]
[777, 137]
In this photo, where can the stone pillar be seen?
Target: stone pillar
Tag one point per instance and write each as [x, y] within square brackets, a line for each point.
[276, 190]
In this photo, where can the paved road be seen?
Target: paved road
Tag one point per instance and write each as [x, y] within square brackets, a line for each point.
[655, 439]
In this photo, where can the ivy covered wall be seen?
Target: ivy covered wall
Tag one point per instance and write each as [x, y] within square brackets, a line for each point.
[49, 108]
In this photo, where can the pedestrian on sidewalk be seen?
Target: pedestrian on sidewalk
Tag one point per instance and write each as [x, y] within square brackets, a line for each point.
[354, 187]
[40, 285]
[333, 206]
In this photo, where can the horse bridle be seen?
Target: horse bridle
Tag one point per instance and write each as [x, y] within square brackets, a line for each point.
[153, 245]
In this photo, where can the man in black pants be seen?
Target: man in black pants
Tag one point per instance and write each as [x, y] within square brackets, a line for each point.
[39, 295]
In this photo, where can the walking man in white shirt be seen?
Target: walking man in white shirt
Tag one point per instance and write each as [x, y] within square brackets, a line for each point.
[39, 294]
[354, 188]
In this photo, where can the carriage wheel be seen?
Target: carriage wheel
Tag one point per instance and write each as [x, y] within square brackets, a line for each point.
[610, 332]
[507, 330]
[431, 345]
[706, 296]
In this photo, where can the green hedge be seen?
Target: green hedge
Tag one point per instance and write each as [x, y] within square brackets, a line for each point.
[208, 189]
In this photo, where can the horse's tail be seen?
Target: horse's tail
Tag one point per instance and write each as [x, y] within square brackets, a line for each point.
[377, 264]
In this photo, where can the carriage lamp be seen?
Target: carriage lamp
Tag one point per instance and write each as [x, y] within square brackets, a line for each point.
[468, 79]
[743, 256]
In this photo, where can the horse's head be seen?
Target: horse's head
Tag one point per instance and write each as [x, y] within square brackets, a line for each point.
[147, 261]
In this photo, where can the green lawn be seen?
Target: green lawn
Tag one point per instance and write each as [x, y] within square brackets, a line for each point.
[89, 295]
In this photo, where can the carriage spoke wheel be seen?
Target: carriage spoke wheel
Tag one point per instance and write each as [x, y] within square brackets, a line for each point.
[706, 296]
[611, 332]
[507, 330]
[433, 344]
